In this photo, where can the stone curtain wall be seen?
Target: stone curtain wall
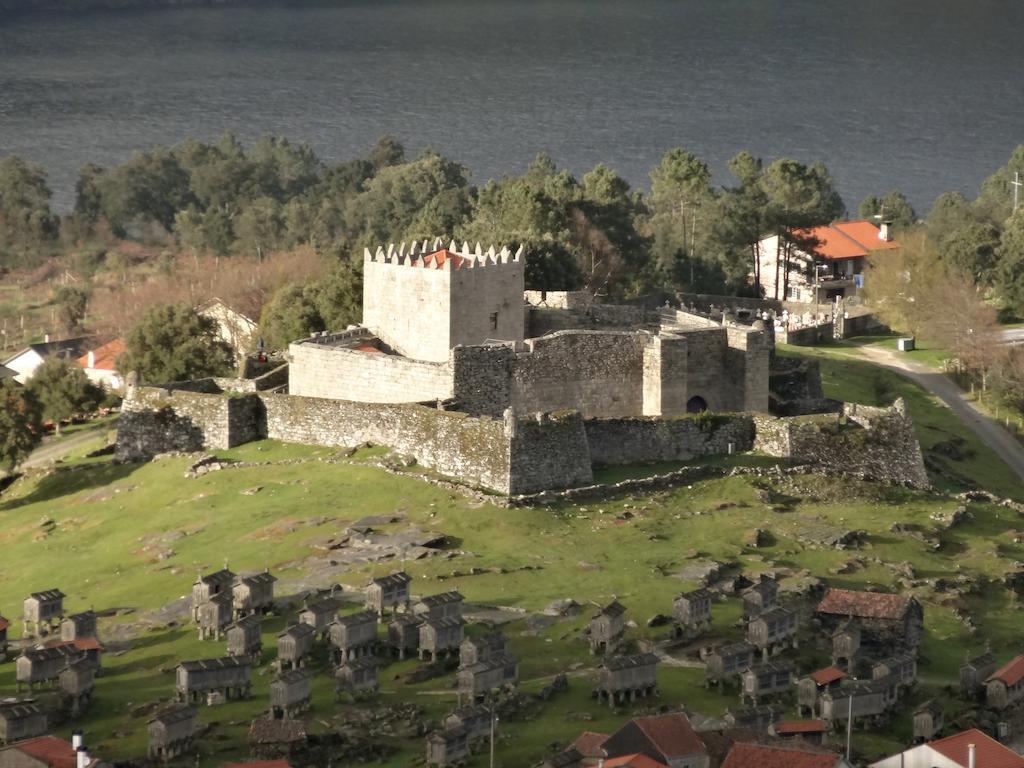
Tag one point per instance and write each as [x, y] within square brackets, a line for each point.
[482, 379]
[542, 320]
[635, 441]
[549, 451]
[159, 420]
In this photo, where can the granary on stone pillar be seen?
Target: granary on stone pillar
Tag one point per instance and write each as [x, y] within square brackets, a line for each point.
[404, 635]
[171, 732]
[388, 592]
[353, 635]
[440, 638]
[253, 593]
[78, 626]
[442, 606]
[21, 720]
[43, 610]
[245, 639]
[357, 675]
[294, 645]
[626, 678]
[760, 596]
[691, 612]
[214, 616]
[607, 628]
[206, 587]
[290, 694]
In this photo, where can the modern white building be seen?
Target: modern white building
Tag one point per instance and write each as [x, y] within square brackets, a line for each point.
[100, 364]
[25, 362]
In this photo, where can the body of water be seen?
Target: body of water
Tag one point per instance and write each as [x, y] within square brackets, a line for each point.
[923, 95]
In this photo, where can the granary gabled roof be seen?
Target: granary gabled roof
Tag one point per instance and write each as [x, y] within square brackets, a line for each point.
[695, 594]
[82, 616]
[406, 619]
[363, 662]
[247, 622]
[792, 727]
[355, 619]
[79, 644]
[932, 707]
[15, 710]
[62, 650]
[444, 622]
[616, 663]
[986, 659]
[223, 576]
[733, 649]
[497, 661]
[827, 676]
[447, 734]
[173, 715]
[298, 630]
[495, 641]
[613, 609]
[471, 712]
[897, 659]
[47, 595]
[864, 605]
[224, 662]
[765, 756]
[778, 666]
[443, 598]
[1011, 673]
[292, 676]
[263, 577]
[397, 579]
[778, 612]
[323, 605]
[569, 758]
[988, 753]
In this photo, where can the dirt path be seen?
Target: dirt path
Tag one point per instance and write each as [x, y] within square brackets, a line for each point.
[987, 430]
[54, 448]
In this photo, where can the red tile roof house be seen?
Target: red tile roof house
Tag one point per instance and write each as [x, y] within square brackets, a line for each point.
[811, 731]
[100, 364]
[888, 623]
[1006, 685]
[633, 761]
[669, 739]
[46, 752]
[955, 752]
[820, 264]
[789, 756]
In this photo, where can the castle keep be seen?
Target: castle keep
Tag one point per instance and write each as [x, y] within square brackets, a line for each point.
[517, 392]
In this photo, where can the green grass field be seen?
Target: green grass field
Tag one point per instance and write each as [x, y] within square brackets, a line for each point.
[85, 529]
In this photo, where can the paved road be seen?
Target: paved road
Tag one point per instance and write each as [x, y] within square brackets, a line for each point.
[987, 430]
[53, 449]
[1012, 335]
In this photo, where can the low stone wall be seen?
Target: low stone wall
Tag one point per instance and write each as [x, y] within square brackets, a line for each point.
[635, 441]
[805, 337]
[549, 451]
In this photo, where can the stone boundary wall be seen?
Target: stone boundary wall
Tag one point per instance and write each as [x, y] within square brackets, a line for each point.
[543, 320]
[652, 439]
[549, 451]
[806, 337]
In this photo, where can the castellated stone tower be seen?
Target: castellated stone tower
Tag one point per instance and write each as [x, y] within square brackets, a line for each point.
[425, 299]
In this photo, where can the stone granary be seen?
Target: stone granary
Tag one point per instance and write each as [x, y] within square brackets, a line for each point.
[442, 606]
[447, 747]
[810, 688]
[404, 635]
[89, 647]
[626, 678]
[21, 720]
[294, 645]
[846, 644]
[290, 694]
[227, 677]
[974, 672]
[4, 625]
[391, 591]
[929, 720]
[78, 626]
[474, 718]
[214, 616]
[354, 635]
[1005, 686]
[77, 681]
[869, 699]
[810, 731]
[691, 613]
[440, 637]
[319, 614]
[766, 679]
[727, 661]
[42, 611]
[760, 597]
[206, 587]
[357, 676]
[774, 629]
[755, 718]
[42, 665]
[607, 628]
[888, 623]
[172, 732]
[245, 639]
[497, 672]
[271, 739]
[473, 650]
[902, 668]
[253, 593]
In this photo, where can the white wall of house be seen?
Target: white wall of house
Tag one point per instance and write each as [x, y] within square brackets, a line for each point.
[918, 757]
[25, 363]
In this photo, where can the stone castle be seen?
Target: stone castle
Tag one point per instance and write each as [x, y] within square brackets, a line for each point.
[509, 390]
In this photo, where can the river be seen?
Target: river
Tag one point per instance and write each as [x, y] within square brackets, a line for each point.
[923, 95]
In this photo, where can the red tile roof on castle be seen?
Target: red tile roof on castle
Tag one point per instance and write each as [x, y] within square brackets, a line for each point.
[846, 239]
[988, 753]
[634, 761]
[105, 357]
[760, 756]
[828, 675]
[437, 259]
[865, 605]
[790, 727]
[51, 751]
[1011, 673]
[589, 744]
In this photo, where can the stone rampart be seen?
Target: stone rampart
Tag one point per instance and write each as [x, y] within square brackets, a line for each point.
[644, 440]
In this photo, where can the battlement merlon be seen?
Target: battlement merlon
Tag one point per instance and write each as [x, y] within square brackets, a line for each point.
[435, 255]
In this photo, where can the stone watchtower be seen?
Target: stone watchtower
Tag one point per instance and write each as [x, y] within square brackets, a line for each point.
[426, 299]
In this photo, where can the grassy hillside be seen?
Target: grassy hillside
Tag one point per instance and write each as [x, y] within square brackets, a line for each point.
[132, 538]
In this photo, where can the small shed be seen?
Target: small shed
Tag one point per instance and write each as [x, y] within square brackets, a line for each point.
[474, 718]
[404, 635]
[774, 629]
[388, 592]
[767, 679]
[974, 672]
[1005, 686]
[357, 676]
[228, 676]
[442, 606]
[627, 678]
[474, 650]
[691, 612]
[354, 635]
[78, 626]
[607, 628]
[319, 614]
[440, 637]
[206, 587]
[727, 661]
[496, 673]
[760, 597]
[245, 639]
[214, 616]
[447, 747]
[42, 611]
[929, 720]
[810, 688]
[294, 645]
[290, 694]
[172, 732]
[253, 593]
[21, 720]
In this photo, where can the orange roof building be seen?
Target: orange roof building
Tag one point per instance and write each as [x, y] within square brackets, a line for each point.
[100, 364]
[764, 756]
[1006, 685]
[956, 751]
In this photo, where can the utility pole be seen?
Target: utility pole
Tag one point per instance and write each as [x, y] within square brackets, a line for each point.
[849, 726]
[494, 722]
[1017, 184]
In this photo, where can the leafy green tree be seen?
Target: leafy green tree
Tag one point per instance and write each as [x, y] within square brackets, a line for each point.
[893, 207]
[21, 426]
[62, 389]
[71, 304]
[151, 186]
[386, 152]
[680, 186]
[291, 314]
[173, 343]
[1010, 255]
[995, 202]
[338, 298]
[260, 228]
[25, 218]
[971, 251]
[950, 213]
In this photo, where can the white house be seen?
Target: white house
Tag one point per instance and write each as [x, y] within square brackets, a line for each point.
[25, 362]
[234, 328]
[969, 749]
[100, 364]
[817, 265]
